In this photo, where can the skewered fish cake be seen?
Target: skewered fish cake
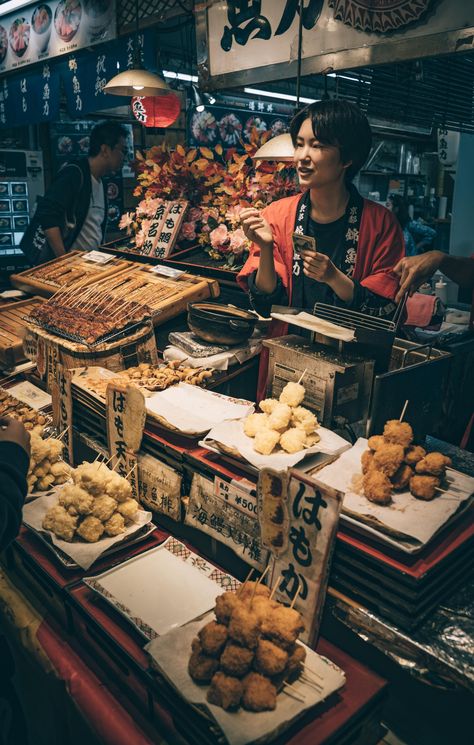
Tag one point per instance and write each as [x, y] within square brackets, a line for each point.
[414, 454]
[434, 464]
[267, 405]
[259, 693]
[293, 440]
[201, 667]
[269, 658]
[244, 627]
[225, 691]
[367, 460]
[60, 522]
[115, 525]
[90, 529]
[283, 626]
[304, 418]
[424, 487]
[236, 659]
[104, 507]
[128, 509]
[213, 637]
[225, 604]
[292, 394]
[375, 442]
[254, 423]
[399, 433]
[389, 458]
[377, 487]
[265, 441]
[280, 417]
[401, 478]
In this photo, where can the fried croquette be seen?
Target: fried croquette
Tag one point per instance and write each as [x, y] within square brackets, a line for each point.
[60, 522]
[225, 604]
[253, 590]
[375, 442]
[236, 660]
[312, 439]
[254, 423]
[367, 460]
[399, 433]
[280, 417]
[244, 627]
[377, 487]
[259, 693]
[118, 488]
[128, 509]
[265, 441]
[296, 662]
[267, 405]
[283, 625]
[401, 477]
[201, 667]
[225, 691]
[262, 606]
[424, 487]
[413, 454]
[304, 419]
[269, 659]
[293, 440]
[104, 508]
[115, 525]
[433, 464]
[292, 394]
[76, 500]
[90, 529]
[213, 637]
[389, 458]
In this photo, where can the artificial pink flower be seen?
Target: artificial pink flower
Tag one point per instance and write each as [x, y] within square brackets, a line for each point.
[148, 207]
[125, 221]
[211, 212]
[188, 231]
[219, 235]
[238, 241]
[195, 213]
[139, 239]
[233, 213]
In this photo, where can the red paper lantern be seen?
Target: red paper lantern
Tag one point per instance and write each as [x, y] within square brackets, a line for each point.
[156, 111]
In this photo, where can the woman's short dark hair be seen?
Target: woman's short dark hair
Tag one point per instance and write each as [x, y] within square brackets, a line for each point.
[106, 133]
[339, 123]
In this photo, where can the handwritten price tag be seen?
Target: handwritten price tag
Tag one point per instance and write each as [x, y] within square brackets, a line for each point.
[98, 257]
[167, 271]
[240, 494]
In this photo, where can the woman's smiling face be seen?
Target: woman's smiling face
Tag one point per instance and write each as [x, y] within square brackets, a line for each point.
[317, 164]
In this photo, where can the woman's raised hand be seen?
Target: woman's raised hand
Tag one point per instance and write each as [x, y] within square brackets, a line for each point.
[256, 228]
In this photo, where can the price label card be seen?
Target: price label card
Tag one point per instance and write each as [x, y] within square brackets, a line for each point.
[240, 494]
[167, 271]
[98, 257]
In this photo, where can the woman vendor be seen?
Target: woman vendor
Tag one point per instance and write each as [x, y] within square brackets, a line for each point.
[358, 242]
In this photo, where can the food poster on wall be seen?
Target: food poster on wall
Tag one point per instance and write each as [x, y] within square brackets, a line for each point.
[44, 30]
[71, 142]
[218, 125]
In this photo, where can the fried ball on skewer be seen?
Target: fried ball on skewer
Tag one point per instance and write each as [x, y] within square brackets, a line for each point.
[312, 439]
[280, 417]
[76, 500]
[293, 440]
[389, 459]
[225, 691]
[253, 590]
[267, 405]
[236, 660]
[401, 477]
[433, 464]
[259, 693]
[213, 637]
[201, 667]
[283, 626]
[244, 627]
[118, 488]
[399, 433]
[269, 659]
[296, 662]
[60, 522]
[292, 394]
[90, 529]
[367, 460]
[304, 419]
[128, 509]
[424, 487]
[225, 604]
[265, 441]
[115, 525]
[104, 508]
[377, 487]
[262, 606]
[375, 442]
[254, 423]
[413, 454]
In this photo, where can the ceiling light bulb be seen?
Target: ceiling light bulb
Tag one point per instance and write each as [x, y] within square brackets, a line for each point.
[200, 107]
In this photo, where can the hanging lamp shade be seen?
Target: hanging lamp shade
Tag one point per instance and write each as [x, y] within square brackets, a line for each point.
[137, 82]
[156, 111]
[278, 148]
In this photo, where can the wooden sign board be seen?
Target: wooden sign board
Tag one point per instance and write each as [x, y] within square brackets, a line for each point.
[125, 414]
[299, 517]
[164, 229]
[159, 487]
[226, 519]
[62, 408]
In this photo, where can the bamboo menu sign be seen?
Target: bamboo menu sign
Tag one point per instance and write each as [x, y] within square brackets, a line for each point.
[164, 229]
[62, 408]
[125, 407]
[298, 521]
[159, 486]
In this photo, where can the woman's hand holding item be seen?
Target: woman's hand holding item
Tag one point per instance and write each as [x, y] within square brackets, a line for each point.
[319, 267]
[256, 228]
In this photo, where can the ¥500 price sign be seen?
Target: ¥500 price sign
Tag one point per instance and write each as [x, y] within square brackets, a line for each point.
[242, 496]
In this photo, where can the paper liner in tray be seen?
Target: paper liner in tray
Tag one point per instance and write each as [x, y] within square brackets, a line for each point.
[170, 655]
[230, 438]
[84, 554]
[409, 522]
[193, 410]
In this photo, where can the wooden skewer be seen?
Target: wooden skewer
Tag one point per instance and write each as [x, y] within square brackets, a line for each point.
[312, 672]
[403, 411]
[241, 588]
[117, 464]
[63, 432]
[298, 696]
[132, 469]
[275, 586]
[295, 597]
[260, 579]
[310, 682]
[303, 374]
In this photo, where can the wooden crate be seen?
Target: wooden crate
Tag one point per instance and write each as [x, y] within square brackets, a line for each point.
[64, 272]
[12, 331]
[165, 297]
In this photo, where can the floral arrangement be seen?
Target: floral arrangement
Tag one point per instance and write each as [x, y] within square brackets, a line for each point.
[218, 184]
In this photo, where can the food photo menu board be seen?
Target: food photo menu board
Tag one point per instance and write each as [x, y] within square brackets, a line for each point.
[41, 31]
